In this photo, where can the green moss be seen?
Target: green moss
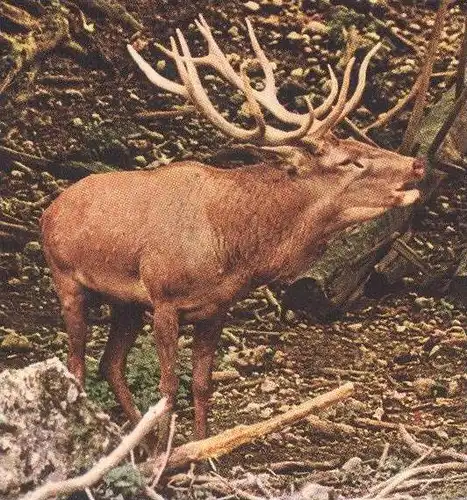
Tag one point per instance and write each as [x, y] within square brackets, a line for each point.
[343, 17]
[142, 375]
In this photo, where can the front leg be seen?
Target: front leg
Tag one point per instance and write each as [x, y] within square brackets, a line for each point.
[166, 338]
[206, 338]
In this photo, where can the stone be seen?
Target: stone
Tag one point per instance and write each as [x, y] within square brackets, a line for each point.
[141, 161]
[49, 429]
[32, 248]
[297, 72]
[424, 387]
[252, 6]
[268, 386]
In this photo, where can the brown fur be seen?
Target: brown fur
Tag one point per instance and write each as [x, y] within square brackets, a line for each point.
[188, 240]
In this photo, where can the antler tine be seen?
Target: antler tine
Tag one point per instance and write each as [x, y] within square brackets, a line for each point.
[355, 99]
[201, 100]
[268, 96]
[276, 137]
[154, 77]
[326, 105]
[334, 115]
[273, 136]
[216, 57]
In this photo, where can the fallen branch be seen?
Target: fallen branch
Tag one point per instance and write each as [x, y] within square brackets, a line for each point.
[379, 424]
[420, 448]
[170, 113]
[383, 118]
[395, 482]
[328, 428]
[225, 376]
[105, 464]
[301, 466]
[231, 439]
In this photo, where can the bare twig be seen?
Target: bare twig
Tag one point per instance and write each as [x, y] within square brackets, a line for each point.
[402, 476]
[378, 424]
[414, 446]
[105, 464]
[18, 229]
[361, 134]
[156, 115]
[460, 76]
[384, 456]
[420, 448]
[329, 428]
[302, 466]
[419, 106]
[225, 376]
[165, 456]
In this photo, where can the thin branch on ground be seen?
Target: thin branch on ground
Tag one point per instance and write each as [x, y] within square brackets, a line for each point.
[105, 464]
[165, 457]
[379, 424]
[392, 484]
[384, 456]
[170, 113]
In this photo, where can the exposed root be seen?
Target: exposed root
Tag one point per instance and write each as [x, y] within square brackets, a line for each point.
[40, 39]
[112, 10]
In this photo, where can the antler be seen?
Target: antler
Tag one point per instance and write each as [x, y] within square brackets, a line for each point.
[262, 133]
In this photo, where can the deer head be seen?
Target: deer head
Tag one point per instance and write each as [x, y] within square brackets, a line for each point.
[360, 180]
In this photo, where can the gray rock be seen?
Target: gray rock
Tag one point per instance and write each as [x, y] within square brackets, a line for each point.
[48, 427]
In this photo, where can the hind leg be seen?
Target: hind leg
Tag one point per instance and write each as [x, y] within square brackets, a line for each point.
[72, 299]
[126, 322]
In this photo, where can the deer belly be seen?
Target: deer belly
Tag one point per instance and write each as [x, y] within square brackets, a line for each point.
[122, 287]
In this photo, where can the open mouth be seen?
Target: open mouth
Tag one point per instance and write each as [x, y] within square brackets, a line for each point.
[406, 196]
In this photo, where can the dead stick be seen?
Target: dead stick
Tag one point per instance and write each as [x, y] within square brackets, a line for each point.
[18, 228]
[419, 106]
[305, 465]
[105, 464]
[155, 115]
[378, 424]
[420, 448]
[398, 479]
[414, 447]
[230, 439]
[329, 428]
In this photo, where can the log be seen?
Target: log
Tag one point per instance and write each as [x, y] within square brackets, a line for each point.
[231, 439]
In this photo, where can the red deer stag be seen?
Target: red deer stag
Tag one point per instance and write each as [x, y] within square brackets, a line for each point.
[187, 240]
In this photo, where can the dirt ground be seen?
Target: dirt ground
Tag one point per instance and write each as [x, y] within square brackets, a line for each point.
[404, 349]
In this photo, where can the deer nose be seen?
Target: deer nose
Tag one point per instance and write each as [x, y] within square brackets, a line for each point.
[418, 168]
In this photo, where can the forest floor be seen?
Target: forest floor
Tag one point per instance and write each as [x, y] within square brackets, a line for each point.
[404, 350]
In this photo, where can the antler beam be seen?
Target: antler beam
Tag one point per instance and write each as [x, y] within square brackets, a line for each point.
[191, 88]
